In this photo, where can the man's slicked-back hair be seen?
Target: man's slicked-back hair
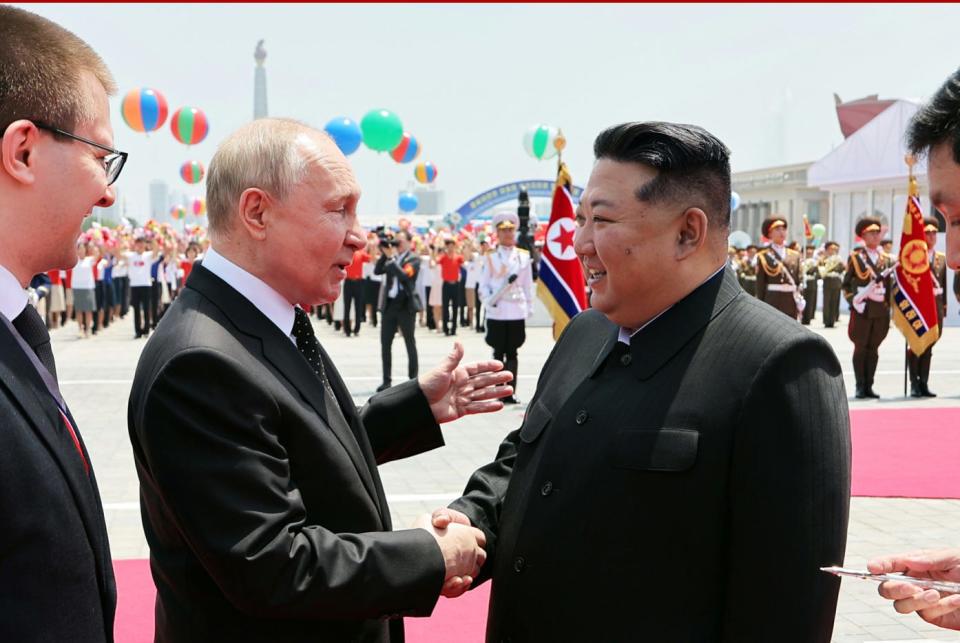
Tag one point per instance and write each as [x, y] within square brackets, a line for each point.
[693, 166]
[41, 67]
[938, 121]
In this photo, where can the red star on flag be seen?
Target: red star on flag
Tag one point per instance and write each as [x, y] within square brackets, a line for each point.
[564, 238]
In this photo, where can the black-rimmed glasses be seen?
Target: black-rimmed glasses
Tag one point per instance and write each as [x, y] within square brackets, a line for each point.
[112, 162]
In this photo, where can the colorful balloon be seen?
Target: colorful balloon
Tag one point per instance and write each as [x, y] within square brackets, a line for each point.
[192, 172]
[818, 230]
[189, 125]
[178, 212]
[540, 142]
[199, 207]
[408, 202]
[407, 150]
[345, 133]
[144, 109]
[425, 172]
[382, 130]
[734, 201]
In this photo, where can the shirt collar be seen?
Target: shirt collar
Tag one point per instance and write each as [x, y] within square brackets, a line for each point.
[626, 334]
[13, 298]
[267, 300]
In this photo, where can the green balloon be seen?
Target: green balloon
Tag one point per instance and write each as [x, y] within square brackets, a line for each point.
[382, 130]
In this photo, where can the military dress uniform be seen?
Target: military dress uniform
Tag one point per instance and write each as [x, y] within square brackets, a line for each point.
[506, 317]
[920, 364]
[831, 272]
[811, 273]
[747, 275]
[867, 329]
[778, 277]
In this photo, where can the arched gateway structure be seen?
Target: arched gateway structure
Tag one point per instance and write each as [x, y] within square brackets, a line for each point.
[488, 199]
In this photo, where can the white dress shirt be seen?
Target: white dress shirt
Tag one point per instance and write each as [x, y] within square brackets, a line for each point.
[13, 298]
[267, 300]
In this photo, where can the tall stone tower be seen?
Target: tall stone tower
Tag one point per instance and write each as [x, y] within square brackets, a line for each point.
[260, 83]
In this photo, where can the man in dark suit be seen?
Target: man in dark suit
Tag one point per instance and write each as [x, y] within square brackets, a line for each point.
[261, 501]
[867, 291]
[398, 303]
[684, 467]
[56, 576]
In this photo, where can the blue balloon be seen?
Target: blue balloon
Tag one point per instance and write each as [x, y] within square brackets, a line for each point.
[734, 201]
[408, 202]
[346, 133]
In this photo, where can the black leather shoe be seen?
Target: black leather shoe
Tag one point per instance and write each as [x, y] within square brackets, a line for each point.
[860, 395]
[383, 387]
[915, 392]
[925, 392]
[869, 393]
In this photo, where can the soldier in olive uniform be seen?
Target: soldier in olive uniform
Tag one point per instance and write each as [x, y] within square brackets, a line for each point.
[831, 271]
[811, 274]
[778, 269]
[920, 364]
[868, 295]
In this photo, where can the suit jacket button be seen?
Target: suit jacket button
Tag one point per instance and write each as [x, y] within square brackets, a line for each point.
[518, 564]
[582, 417]
[626, 359]
[546, 488]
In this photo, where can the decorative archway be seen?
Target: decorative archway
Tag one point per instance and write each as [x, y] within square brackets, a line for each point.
[489, 199]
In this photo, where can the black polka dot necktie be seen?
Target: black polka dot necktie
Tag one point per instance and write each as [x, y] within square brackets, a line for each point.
[33, 330]
[309, 346]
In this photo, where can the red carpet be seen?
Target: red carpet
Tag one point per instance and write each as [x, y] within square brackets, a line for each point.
[462, 620]
[909, 453]
[906, 453]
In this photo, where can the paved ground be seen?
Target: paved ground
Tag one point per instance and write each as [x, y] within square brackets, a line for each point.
[96, 374]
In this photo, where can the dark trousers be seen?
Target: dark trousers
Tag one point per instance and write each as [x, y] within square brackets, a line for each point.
[451, 295]
[155, 291]
[919, 368]
[397, 315]
[431, 322]
[866, 333]
[810, 295]
[352, 296]
[478, 306]
[140, 300]
[831, 302]
[505, 337]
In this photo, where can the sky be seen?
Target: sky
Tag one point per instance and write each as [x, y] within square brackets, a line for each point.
[469, 80]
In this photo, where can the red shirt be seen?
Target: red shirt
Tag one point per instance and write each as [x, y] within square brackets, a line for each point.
[450, 267]
[186, 266]
[355, 269]
[54, 277]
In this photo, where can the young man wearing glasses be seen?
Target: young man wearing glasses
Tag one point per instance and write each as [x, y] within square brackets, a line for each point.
[56, 164]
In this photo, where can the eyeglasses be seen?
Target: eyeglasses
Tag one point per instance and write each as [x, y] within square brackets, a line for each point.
[112, 162]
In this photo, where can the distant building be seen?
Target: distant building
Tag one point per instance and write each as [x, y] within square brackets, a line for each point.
[779, 190]
[430, 201]
[159, 200]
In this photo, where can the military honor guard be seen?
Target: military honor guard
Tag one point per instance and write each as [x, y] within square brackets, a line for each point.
[866, 286]
[920, 364]
[506, 290]
[778, 270]
[748, 270]
[831, 272]
[811, 275]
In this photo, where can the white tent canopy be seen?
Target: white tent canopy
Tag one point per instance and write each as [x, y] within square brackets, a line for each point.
[873, 155]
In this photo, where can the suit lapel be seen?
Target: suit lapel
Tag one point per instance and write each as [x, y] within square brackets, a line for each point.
[653, 347]
[20, 377]
[280, 351]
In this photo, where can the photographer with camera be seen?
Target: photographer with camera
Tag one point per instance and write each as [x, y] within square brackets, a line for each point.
[398, 301]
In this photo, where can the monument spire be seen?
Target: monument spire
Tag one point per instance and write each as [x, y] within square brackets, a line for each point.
[260, 83]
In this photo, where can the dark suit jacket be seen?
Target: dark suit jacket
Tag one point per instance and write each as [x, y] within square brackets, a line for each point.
[685, 488]
[262, 506]
[406, 273]
[56, 576]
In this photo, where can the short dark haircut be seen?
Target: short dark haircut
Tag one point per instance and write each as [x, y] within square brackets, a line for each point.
[693, 166]
[938, 121]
